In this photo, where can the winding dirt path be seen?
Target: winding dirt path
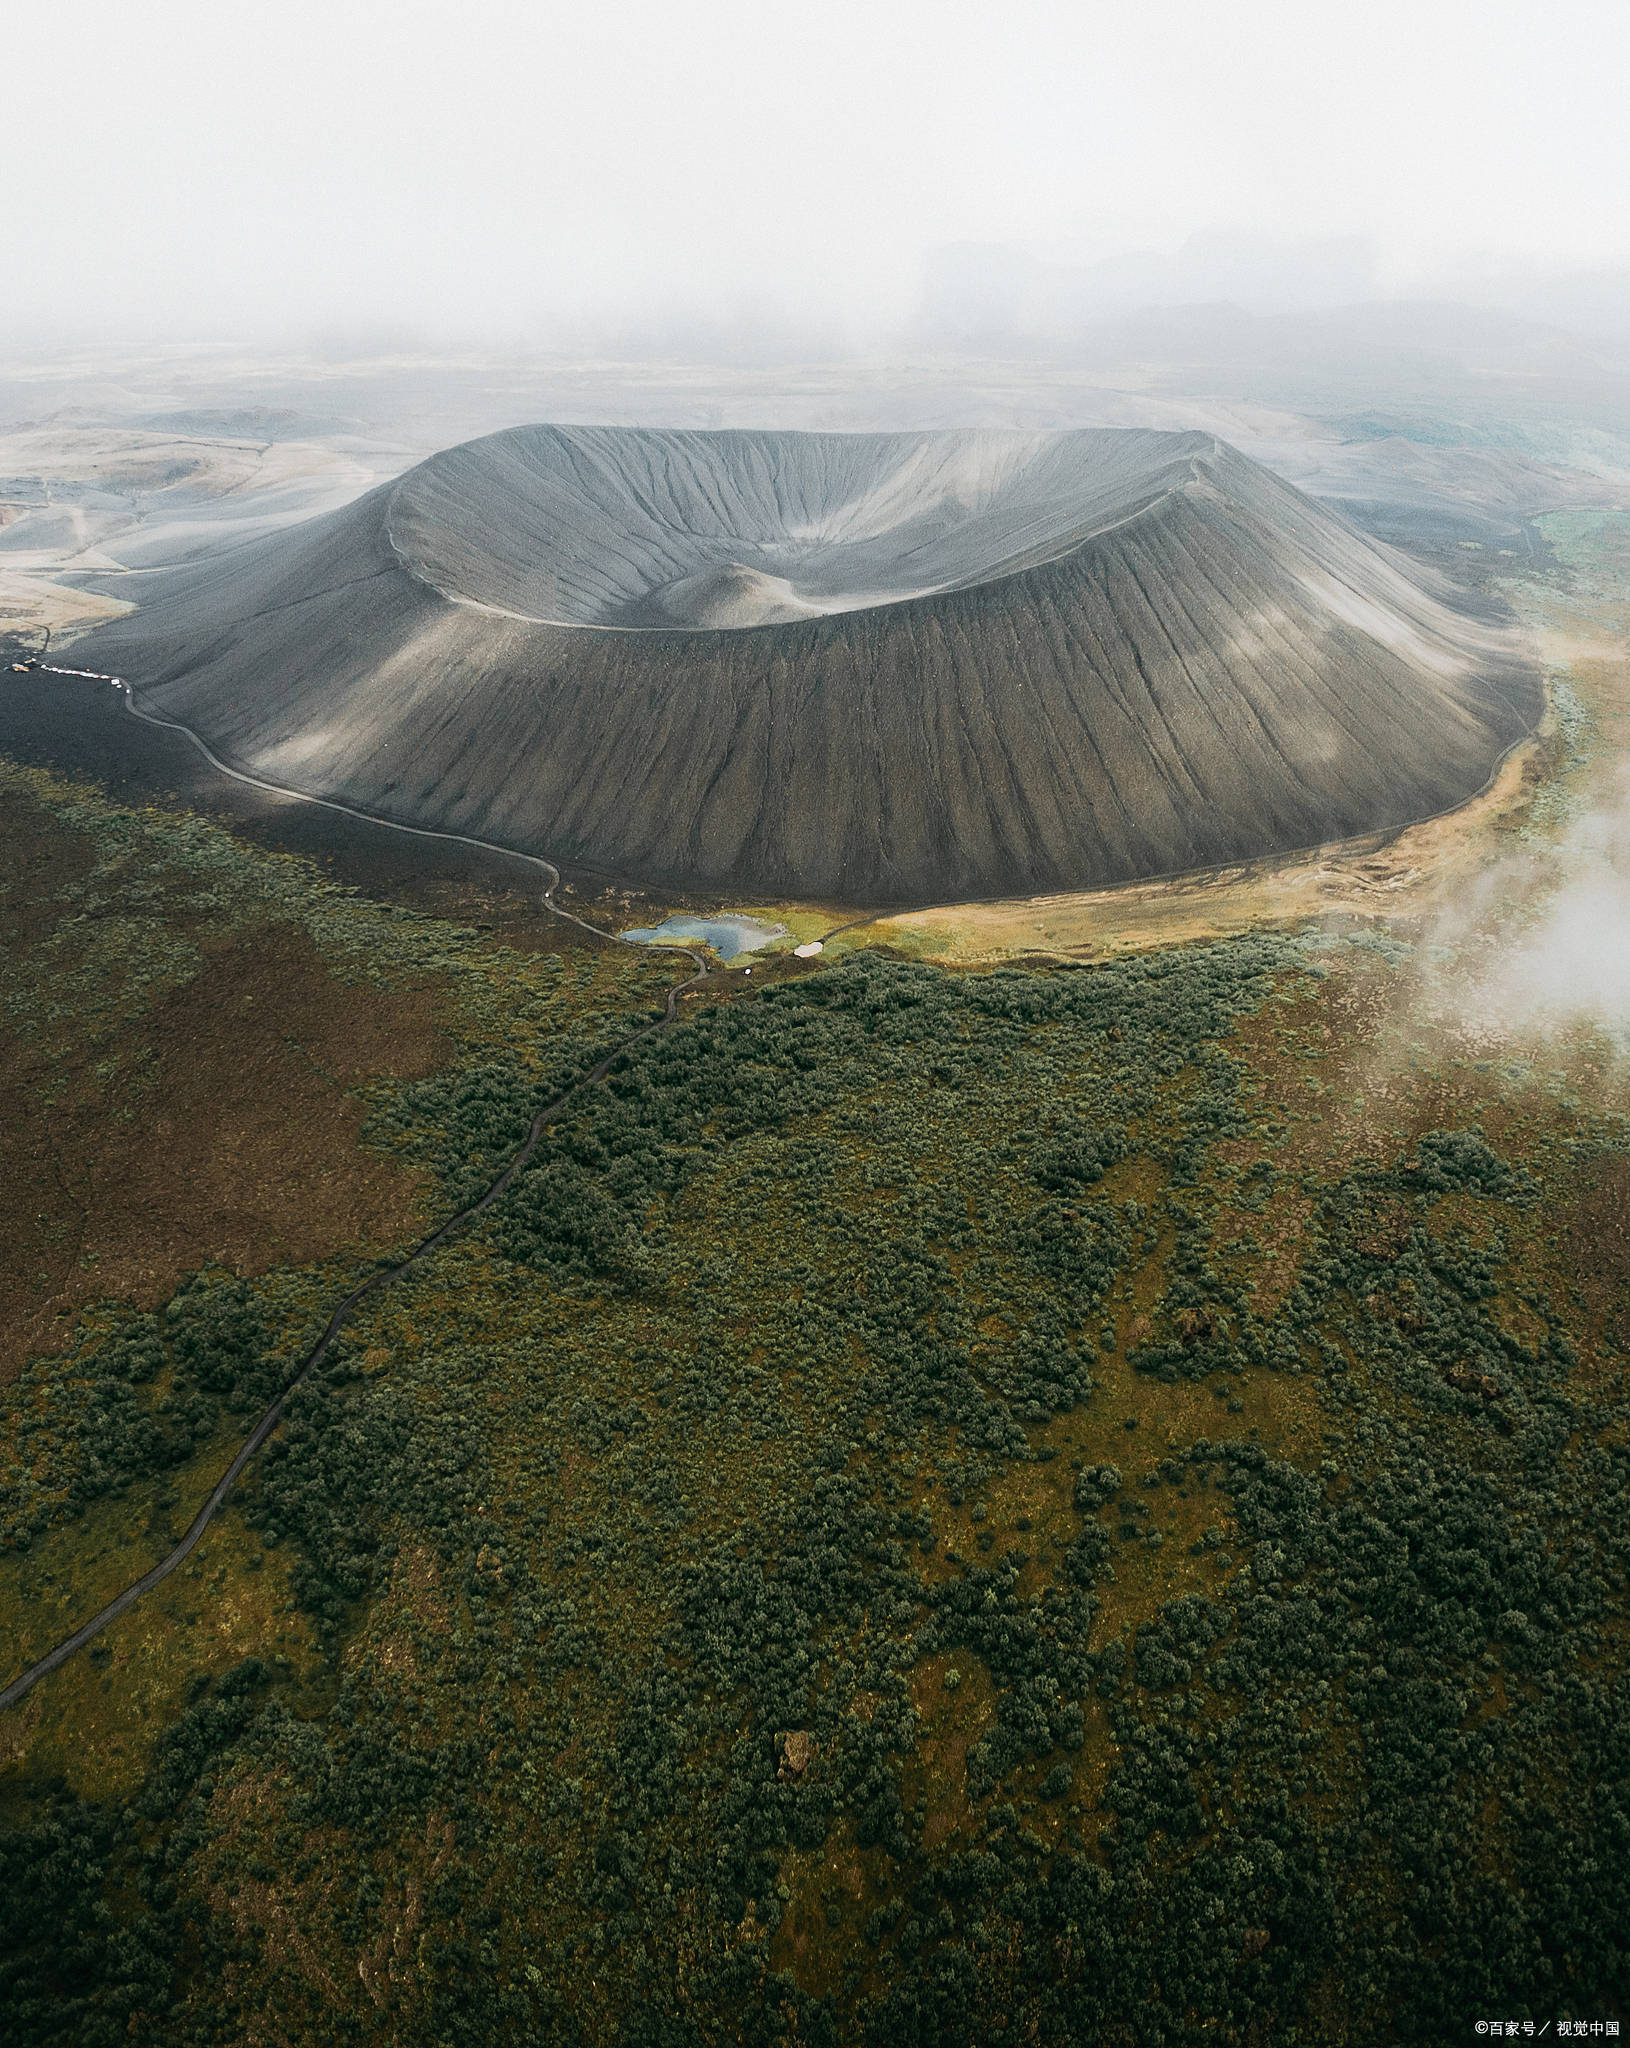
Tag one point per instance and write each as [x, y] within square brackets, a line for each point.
[269, 1421]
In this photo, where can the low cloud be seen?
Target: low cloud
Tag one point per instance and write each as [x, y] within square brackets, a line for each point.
[1541, 945]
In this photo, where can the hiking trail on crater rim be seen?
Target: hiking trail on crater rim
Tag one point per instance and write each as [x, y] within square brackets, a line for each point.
[865, 668]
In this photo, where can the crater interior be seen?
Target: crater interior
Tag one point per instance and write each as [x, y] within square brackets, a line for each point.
[665, 531]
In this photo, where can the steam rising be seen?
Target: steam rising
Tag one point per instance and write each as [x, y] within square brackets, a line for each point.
[1542, 944]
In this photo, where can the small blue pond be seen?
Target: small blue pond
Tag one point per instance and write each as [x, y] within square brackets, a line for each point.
[728, 936]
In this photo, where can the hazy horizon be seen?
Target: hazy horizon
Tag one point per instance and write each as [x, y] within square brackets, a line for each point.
[709, 173]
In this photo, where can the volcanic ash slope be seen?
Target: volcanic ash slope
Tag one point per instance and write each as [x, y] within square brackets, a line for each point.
[868, 668]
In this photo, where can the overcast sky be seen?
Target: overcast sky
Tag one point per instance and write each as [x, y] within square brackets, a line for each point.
[488, 167]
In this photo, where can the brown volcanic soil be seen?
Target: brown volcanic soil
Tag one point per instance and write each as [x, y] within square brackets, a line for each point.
[1596, 1249]
[226, 1134]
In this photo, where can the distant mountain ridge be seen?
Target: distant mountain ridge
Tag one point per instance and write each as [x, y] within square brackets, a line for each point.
[868, 668]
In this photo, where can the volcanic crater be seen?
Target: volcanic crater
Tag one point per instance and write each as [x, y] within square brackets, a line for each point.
[865, 668]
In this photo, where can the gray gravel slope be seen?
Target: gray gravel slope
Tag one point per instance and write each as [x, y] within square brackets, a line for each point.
[865, 668]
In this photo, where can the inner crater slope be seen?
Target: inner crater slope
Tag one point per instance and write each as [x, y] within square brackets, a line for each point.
[865, 668]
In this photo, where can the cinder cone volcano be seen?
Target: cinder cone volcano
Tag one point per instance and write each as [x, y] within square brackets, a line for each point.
[860, 667]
